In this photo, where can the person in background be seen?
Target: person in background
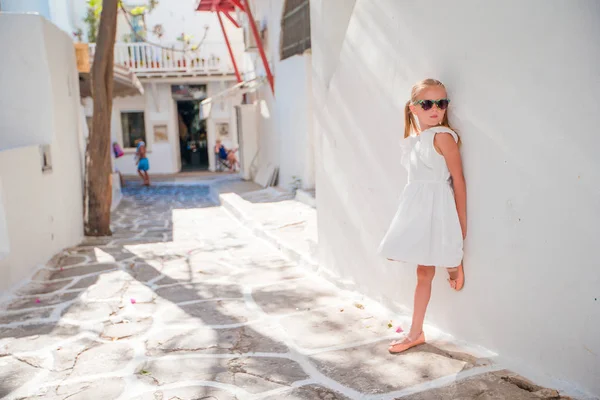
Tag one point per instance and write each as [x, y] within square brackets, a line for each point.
[142, 161]
[228, 155]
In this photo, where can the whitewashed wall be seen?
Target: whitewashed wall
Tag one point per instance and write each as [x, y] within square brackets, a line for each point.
[43, 210]
[285, 120]
[28, 52]
[294, 121]
[523, 79]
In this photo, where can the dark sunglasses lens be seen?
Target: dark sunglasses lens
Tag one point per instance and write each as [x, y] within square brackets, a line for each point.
[427, 104]
[443, 104]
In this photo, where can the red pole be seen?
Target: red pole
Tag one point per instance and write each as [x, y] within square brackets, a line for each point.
[229, 17]
[238, 4]
[261, 50]
[237, 72]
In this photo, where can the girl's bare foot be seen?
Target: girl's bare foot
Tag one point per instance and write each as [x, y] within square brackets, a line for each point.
[408, 342]
[456, 277]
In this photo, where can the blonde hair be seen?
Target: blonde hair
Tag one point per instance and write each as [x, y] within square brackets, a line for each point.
[409, 119]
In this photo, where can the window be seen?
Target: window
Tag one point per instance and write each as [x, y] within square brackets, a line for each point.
[133, 127]
[295, 28]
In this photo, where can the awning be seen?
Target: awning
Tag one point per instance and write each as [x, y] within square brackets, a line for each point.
[126, 83]
[237, 90]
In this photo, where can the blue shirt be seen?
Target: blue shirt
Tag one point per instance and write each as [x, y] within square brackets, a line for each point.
[222, 152]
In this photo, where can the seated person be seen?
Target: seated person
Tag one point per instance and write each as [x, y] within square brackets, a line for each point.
[225, 154]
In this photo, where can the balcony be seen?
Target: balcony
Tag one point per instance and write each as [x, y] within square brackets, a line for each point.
[147, 60]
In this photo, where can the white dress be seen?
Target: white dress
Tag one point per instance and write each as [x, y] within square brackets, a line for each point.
[425, 229]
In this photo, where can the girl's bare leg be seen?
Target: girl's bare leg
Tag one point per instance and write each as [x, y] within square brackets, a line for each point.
[425, 276]
[232, 161]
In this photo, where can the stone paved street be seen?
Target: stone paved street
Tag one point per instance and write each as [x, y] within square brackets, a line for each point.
[183, 302]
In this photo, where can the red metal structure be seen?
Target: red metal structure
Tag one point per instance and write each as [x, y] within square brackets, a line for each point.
[226, 7]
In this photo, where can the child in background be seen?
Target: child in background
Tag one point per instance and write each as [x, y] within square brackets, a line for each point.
[142, 161]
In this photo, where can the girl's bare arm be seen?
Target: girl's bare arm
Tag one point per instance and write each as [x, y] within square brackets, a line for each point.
[444, 142]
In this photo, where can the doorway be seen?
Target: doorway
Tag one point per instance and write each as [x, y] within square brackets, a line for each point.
[193, 139]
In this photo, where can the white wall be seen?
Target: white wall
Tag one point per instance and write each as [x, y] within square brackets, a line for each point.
[248, 155]
[285, 119]
[523, 78]
[294, 121]
[23, 47]
[266, 13]
[43, 210]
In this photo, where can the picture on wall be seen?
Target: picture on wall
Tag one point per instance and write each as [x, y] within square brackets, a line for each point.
[222, 129]
[160, 133]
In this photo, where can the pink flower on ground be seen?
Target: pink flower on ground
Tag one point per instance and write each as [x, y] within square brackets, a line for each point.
[38, 301]
[132, 301]
[399, 329]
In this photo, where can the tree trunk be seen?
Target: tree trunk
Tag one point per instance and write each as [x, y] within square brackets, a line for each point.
[98, 162]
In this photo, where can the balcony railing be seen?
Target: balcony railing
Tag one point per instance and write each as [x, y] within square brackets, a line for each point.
[147, 59]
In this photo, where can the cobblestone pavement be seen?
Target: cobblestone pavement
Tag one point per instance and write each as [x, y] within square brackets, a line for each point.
[184, 303]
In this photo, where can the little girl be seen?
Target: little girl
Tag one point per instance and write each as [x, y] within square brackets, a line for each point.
[431, 222]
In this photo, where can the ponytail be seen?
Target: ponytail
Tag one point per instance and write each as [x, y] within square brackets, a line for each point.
[409, 120]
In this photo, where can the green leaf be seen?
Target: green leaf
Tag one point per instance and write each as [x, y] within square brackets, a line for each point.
[138, 10]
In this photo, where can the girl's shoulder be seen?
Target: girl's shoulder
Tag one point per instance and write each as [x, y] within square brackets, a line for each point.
[440, 129]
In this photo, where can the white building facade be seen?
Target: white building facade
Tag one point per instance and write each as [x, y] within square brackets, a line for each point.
[522, 77]
[41, 146]
[181, 60]
[180, 57]
[284, 117]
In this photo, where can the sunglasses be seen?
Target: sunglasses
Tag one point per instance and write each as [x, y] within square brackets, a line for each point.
[427, 104]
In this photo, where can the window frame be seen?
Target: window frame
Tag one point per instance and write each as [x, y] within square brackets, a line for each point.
[126, 147]
[300, 46]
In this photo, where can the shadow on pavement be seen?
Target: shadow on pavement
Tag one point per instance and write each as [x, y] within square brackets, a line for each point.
[193, 305]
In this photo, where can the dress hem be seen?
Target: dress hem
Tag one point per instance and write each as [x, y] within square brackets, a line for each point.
[429, 264]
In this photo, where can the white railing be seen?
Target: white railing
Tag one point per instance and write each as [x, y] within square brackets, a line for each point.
[147, 59]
